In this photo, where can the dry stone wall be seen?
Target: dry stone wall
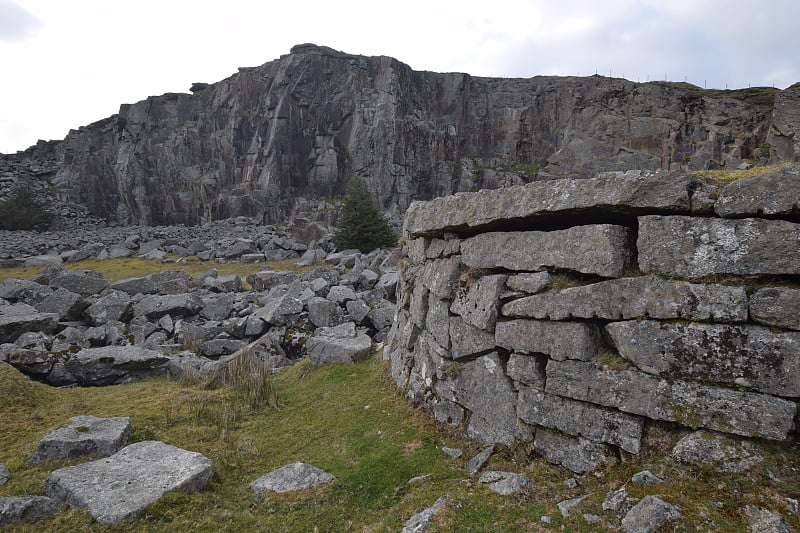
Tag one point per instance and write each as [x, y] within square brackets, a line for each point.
[573, 313]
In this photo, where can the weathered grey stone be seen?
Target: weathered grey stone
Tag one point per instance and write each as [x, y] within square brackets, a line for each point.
[695, 247]
[357, 310]
[527, 369]
[83, 282]
[505, 483]
[339, 344]
[116, 364]
[690, 404]
[559, 340]
[646, 477]
[467, 340]
[437, 323]
[85, 435]
[5, 475]
[116, 305]
[388, 282]
[567, 505]
[87, 252]
[176, 305]
[482, 387]
[749, 356]
[422, 520]
[603, 249]
[639, 297]
[614, 499]
[580, 419]
[620, 194]
[478, 304]
[219, 347]
[418, 304]
[23, 290]
[119, 487]
[448, 412]
[441, 276]
[725, 454]
[576, 454]
[227, 283]
[530, 282]
[66, 304]
[775, 193]
[381, 315]
[266, 279]
[647, 515]
[760, 520]
[475, 464]
[453, 453]
[150, 284]
[20, 318]
[367, 279]
[296, 476]
[280, 311]
[776, 306]
[324, 313]
[217, 307]
[18, 509]
[341, 294]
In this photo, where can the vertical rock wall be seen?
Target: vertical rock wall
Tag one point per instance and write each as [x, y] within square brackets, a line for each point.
[572, 313]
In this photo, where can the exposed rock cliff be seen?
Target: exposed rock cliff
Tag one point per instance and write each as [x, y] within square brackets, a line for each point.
[301, 125]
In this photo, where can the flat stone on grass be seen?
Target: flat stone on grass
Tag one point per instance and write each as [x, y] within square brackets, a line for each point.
[84, 436]
[119, 487]
[16, 509]
[296, 476]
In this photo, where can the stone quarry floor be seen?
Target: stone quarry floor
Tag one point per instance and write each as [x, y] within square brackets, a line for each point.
[386, 455]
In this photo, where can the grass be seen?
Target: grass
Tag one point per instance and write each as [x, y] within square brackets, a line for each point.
[129, 267]
[762, 96]
[725, 176]
[351, 421]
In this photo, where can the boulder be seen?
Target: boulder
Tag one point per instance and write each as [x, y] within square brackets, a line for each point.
[565, 507]
[67, 305]
[266, 279]
[116, 305]
[776, 306]
[280, 311]
[20, 318]
[475, 464]
[83, 282]
[559, 340]
[341, 294]
[762, 520]
[324, 313]
[639, 297]
[505, 483]
[603, 250]
[218, 347]
[647, 515]
[695, 247]
[775, 193]
[227, 283]
[748, 356]
[576, 454]
[338, 344]
[109, 365]
[720, 452]
[18, 509]
[691, 404]
[84, 436]
[150, 284]
[119, 487]
[23, 290]
[297, 476]
[381, 315]
[420, 521]
[357, 311]
[176, 305]
[646, 477]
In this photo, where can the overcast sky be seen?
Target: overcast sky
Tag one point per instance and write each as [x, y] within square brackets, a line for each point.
[67, 63]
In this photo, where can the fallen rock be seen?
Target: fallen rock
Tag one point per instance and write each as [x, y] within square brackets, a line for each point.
[176, 305]
[615, 499]
[291, 477]
[476, 463]
[119, 487]
[109, 365]
[17, 509]
[646, 477]
[505, 483]
[706, 448]
[20, 318]
[422, 520]
[85, 435]
[764, 521]
[566, 506]
[647, 515]
[339, 344]
[83, 282]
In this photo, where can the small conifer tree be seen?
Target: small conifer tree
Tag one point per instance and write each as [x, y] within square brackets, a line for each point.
[22, 210]
[362, 225]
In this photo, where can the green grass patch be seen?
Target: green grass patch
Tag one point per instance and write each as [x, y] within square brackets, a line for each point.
[724, 176]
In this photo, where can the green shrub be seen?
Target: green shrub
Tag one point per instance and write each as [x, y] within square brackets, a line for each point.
[362, 226]
[22, 210]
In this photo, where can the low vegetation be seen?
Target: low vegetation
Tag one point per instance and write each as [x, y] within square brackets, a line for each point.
[22, 210]
[763, 96]
[725, 176]
[362, 226]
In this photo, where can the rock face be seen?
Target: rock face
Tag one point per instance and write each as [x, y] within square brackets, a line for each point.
[298, 126]
[489, 337]
[119, 487]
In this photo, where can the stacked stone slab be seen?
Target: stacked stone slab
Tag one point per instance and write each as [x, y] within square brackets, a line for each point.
[573, 313]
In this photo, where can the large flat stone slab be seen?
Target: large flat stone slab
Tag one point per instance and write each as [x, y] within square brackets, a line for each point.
[749, 356]
[602, 249]
[639, 297]
[18, 509]
[119, 487]
[691, 404]
[595, 423]
[21, 318]
[85, 435]
[774, 193]
[696, 247]
[548, 199]
[559, 340]
[776, 306]
[338, 344]
[109, 365]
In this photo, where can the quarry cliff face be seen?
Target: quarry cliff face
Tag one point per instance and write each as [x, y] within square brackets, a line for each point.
[302, 125]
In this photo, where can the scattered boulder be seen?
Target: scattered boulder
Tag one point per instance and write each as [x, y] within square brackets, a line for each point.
[422, 520]
[762, 520]
[566, 506]
[505, 483]
[647, 515]
[615, 499]
[17, 509]
[20, 318]
[291, 477]
[338, 344]
[119, 487]
[83, 282]
[85, 435]
[706, 448]
[646, 477]
[109, 365]
[476, 463]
